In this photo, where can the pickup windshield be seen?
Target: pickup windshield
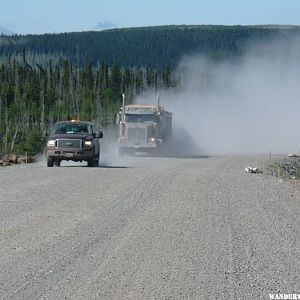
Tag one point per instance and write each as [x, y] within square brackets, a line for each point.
[71, 128]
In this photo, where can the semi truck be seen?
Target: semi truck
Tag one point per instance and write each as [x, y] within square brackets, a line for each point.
[144, 128]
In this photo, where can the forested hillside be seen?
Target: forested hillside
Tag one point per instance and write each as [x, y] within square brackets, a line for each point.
[146, 46]
[50, 77]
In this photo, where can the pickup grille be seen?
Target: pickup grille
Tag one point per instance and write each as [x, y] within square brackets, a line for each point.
[137, 135]
[68, 143]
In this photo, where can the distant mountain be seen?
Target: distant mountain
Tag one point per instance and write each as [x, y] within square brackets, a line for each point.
[156, 46]
[5, 31]
[105, 25]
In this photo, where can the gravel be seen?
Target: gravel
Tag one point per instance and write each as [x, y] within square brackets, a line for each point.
[148, 228]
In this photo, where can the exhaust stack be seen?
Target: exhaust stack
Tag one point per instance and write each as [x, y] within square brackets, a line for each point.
[123, 108]
[122, 123]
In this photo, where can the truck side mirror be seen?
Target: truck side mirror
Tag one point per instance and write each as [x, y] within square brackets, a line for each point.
[99, 135]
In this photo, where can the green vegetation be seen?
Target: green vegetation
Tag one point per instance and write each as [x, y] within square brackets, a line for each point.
[50, 77]
[33, 97]
[287, 168]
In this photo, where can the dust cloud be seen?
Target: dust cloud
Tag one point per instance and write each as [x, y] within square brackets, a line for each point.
[245, 105]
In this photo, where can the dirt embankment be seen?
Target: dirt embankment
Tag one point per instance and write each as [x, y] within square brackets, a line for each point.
[13, 159]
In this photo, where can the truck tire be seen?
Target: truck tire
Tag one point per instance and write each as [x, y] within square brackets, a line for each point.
[57, 163]
[91, 162]
[50, 162]
[97, 161]
[153, 152]
[121, 152]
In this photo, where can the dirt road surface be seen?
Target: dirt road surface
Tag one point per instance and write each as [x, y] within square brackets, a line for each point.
[148, 228]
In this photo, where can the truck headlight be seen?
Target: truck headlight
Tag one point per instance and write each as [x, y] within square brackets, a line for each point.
[152, 139]
[51, 143]
[88, 143]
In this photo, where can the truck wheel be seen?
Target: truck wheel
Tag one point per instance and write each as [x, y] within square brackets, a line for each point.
[153, 152]
[97, 162]
[121, 152]
[50, 162]
[91, 161]
[57, 163]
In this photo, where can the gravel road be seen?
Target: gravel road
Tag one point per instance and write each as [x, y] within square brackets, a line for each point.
[148, 228]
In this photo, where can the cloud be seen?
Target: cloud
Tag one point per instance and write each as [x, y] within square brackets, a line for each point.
[105, 25]
[5, 30]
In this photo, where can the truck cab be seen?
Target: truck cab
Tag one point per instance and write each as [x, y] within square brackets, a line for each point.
[143, 128]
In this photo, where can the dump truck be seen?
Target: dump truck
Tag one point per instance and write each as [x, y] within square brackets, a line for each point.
[144, 128]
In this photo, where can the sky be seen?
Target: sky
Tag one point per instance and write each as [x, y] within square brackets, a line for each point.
[49, 16]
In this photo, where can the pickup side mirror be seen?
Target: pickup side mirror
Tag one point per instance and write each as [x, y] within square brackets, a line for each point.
[99, 135]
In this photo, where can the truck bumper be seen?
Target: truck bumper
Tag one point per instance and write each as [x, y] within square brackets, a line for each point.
[70, 154]
[137, 145]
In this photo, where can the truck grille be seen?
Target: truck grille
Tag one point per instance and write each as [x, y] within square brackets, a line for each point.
[137, 135]
[69, 143]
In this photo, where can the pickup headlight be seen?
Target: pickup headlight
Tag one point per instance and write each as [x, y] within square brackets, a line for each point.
[51, 143]
[88, 143]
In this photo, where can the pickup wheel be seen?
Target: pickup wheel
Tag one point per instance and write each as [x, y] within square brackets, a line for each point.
[97, 161]
[50, 162]
[92, 162]
[57, 163]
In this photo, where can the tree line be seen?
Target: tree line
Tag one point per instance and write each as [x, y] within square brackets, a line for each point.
[156, 46]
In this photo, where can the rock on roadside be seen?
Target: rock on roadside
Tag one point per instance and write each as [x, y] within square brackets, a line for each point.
[14, 159]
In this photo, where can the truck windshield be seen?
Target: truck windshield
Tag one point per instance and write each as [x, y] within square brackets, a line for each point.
[71, 128]
[131, 118]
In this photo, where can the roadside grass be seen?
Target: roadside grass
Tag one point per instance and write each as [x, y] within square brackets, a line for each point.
[287, 168]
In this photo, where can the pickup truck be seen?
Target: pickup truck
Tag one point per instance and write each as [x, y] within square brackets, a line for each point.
[73, 140]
